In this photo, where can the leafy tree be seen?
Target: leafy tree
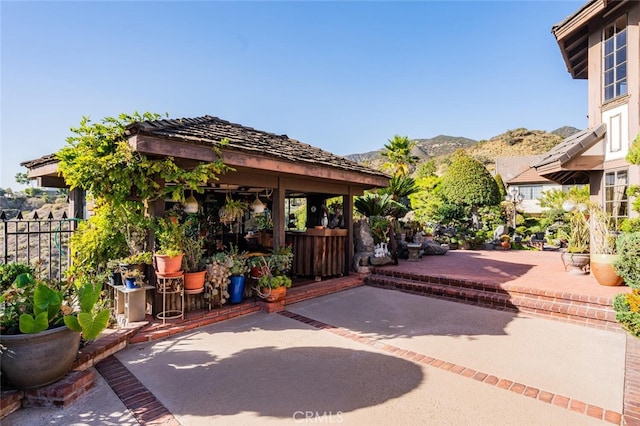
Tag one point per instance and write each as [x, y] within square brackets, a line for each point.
[23, 179]
[400, 187]
[98, 159]
[468, 183]
[371, 204]
[427, 169]
[428, 199]
[501, 186]
[399, 158]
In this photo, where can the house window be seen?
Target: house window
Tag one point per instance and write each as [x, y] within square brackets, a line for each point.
[615, 192]
[531, 192]
[614, 40]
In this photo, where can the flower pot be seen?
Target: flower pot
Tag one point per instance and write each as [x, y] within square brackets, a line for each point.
[194, 281]
[603, 270]
[236, 288]
[258, 271]
[131, 283]
[168, 265]
[578, 262]
[35, 360]
[506, 244]
[273, 294]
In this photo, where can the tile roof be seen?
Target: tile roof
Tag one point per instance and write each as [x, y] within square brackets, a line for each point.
[209, 130]
[572, 146]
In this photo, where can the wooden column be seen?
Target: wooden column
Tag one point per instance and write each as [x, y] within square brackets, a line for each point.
[278, 215]
[77, 199]
[347, 207]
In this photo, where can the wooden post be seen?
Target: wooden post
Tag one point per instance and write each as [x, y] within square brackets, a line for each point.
[278, 215]
[347, 207]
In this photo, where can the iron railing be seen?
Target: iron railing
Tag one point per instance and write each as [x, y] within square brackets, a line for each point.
[42, 242]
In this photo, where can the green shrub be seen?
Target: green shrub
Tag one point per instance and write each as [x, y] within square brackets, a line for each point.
[627, 307]
[10, 271]
[628, 263]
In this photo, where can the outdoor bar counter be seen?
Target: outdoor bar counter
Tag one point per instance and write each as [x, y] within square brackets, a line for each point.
[318, 252]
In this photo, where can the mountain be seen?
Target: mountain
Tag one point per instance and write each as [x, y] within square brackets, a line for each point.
[517, 142]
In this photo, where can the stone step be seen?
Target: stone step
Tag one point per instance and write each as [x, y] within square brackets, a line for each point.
[579, 309]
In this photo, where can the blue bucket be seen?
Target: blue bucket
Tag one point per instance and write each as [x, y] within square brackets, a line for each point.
[236, 288]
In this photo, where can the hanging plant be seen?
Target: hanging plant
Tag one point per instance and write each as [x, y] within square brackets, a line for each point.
[232, 211]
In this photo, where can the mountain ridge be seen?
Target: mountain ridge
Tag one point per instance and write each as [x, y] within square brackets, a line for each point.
[511, 143]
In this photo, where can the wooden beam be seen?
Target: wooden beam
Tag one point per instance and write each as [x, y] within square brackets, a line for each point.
[51, 182]
[257, 161]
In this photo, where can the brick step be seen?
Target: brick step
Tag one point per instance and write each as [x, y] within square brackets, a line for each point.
[590, 311]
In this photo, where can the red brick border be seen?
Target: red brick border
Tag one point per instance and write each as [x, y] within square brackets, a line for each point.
[631, 406]
[502, 383]
[136, 397]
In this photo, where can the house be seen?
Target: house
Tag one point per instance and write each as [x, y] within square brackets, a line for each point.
[601, 43]
[517, 172]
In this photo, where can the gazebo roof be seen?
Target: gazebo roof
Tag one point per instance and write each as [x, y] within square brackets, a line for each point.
[209, 131]
[248, 149]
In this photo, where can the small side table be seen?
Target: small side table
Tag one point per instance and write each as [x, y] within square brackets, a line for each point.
[168, 285]
[414, 251]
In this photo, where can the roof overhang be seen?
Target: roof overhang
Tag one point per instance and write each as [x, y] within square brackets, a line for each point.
[259, 158]
[570, 161]
[572, 34]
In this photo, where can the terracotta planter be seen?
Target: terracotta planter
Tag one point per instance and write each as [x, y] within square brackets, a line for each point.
[506, 244]
[168, 265]
[602, 269]
[258, 271]
[273, 294]
[35, 360]
[194, 281]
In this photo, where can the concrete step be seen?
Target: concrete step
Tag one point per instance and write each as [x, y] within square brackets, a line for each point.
[563, 306]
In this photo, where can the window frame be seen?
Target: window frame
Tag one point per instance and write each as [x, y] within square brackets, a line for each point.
[614, 59]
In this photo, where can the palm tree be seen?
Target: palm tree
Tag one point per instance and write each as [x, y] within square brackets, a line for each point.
[399, 157]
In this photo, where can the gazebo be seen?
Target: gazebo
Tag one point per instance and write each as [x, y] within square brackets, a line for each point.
[273, 169]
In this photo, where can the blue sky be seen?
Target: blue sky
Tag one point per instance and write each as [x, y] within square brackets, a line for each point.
[342, 76]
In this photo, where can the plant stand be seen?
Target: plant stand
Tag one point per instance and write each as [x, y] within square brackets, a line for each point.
[169, 285]
[130, 304]
[414, 251]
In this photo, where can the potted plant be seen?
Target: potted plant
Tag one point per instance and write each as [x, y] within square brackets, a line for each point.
[232, 211]
[576, 255]
[171, 238]
[627, 306]
[217, 283]
[193, 264]
[505, 241]
[274, 284]
[603, 252]
[238, 266]
[132, 278]
[42, 323]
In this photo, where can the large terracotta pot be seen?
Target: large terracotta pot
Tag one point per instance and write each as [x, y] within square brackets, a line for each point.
[602, 269]
[194, 282]
[35, 360]
[168, 265]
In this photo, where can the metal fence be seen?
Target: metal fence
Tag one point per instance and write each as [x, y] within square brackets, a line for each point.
[42, 242]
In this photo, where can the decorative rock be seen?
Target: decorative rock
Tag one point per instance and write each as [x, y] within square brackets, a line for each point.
[379, 261]
[363, 237]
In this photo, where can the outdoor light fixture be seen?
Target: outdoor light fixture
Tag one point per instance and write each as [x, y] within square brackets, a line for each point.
[514, 196]
[191, 204]
[257, 206]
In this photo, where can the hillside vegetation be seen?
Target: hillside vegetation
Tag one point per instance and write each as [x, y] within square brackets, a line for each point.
[512, 143]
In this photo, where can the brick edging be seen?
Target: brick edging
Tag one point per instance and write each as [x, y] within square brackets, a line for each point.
[631, 405]
[143, 404]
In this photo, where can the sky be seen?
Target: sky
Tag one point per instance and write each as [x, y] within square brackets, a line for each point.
[341, 76]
